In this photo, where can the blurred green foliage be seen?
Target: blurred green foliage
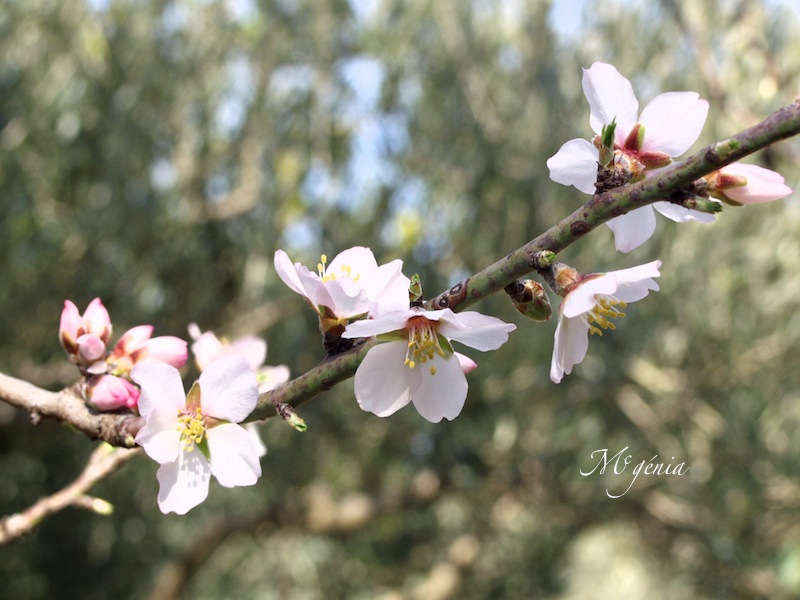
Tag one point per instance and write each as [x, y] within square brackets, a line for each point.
[156, 153]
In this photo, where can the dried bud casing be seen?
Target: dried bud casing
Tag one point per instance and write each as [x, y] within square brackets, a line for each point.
[530, 299]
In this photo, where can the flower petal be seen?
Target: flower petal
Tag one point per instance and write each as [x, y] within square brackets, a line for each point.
[253, 348]
[673, 122]
[166, 348]
[610, 96]
[575, 163]
[160, 438]
[681, 214]
[633, 229]
[467, 364]
[234, 455]
[382, 380]
[357, 263]
[392, 321]
[569, 349]
[228, 389]
[288, 272]
[183, 483]
[440, 396]
[162, 390]
[582, 299]
[388, 289]
[477, 331]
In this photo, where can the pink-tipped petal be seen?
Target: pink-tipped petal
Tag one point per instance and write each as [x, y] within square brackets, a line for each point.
[132, 340]
[97, 320]
[107, 392]
[763, 185]
[71, 327]
[167, 348]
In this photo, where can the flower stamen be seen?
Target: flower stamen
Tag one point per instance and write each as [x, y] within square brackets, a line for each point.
[192, 426]
[344, 271]
[605, 309]
[423, 343]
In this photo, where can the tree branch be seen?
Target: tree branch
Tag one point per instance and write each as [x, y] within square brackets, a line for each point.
[103, 461]
[68, 406]
[120, 429]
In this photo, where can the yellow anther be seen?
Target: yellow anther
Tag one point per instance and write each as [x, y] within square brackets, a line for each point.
[423, 343]
[605, 309]
[192, 426]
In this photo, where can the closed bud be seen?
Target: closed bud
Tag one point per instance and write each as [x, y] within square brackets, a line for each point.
[530, 299]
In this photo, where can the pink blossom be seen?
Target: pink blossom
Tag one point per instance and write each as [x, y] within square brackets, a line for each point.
[198, 435]
[588, 307]
[666, 128]
[740, 183]
[207, 348]
[95, 321]
[108, 392]
[136, 346]
[418, 364]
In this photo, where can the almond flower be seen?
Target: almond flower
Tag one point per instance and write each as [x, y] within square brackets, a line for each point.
[589, 304]
[352, 285]
[207, 348]
[667, 127]
[740, 183]
[193, 437]
[419, 365]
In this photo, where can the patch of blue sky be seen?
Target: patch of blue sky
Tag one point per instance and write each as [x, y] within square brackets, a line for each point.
[290, 80]
[98, 5]
[242, 11]
[364, 76]
[375, 136]
[236, 98]
[364, 10]
[302, 237]
[319, 186]
[566, 18]
[174, 17]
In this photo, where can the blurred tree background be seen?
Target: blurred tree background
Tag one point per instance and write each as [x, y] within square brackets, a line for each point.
[156, 153]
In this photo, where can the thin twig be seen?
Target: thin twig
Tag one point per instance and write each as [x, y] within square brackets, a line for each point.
[103, 461]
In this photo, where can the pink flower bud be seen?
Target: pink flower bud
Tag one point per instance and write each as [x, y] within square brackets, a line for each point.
[107, 392]
[97, 321]
[467, 364]
[71, 325]
[90, 349]
[133, 340]
[169, 349]
[739, 183]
